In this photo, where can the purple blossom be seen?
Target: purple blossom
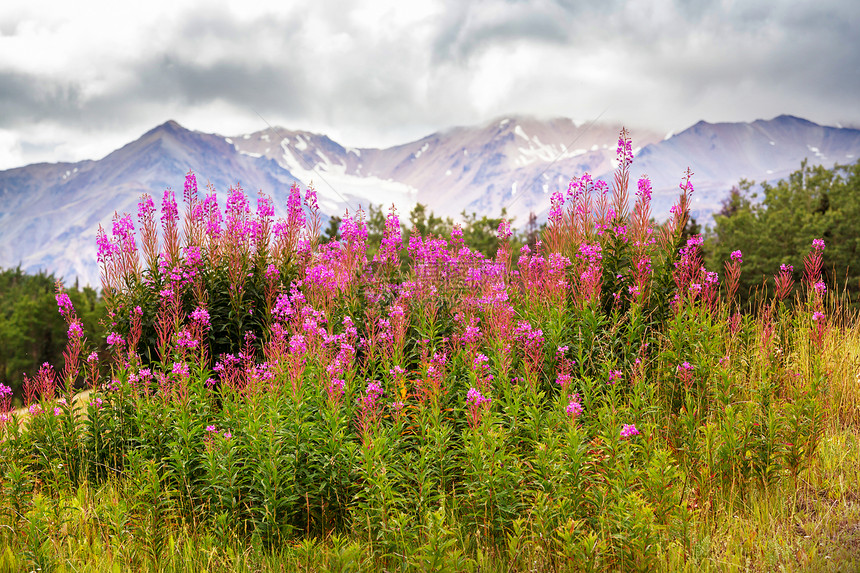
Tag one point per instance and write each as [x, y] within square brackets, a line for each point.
[75, 330]
[628, 431]
[64, 303]
[200, 316]
[265, 209]
[737, 256]
[644, 192]
[115, 339]
[145, 208]
[475, 399]
[106, 249]
[504, 231]
[190, 190]
[169, 211]
[180, 369]
[624, 151]
[311, 199]
[574, 409]
[295, 215]
[184, 339]
[818, 244]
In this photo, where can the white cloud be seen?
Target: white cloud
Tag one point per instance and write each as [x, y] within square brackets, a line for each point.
[78, 77]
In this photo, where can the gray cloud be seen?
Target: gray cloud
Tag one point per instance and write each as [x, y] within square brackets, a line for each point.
[25, 98]
[327, 66]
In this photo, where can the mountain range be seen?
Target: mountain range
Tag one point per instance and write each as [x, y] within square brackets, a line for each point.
[51, 212]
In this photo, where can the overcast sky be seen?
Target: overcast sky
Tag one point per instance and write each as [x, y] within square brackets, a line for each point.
[79, 79]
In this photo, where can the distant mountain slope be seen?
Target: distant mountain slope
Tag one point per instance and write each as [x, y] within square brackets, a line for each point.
[51, 212]
[721, 154]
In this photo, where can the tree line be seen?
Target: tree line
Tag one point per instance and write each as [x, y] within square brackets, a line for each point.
[32, 331]
[775, 225]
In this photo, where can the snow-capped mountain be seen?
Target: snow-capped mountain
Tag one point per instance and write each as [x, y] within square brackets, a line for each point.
[511, 163]
[51, 212]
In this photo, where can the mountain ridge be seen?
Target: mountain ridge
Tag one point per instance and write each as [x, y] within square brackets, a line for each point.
[52, 210]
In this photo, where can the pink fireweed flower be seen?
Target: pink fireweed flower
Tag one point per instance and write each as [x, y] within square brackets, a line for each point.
[5, 404]
[97, 403]
[628, 431]
[180, 369]
[189, 192]
[816, 316]
[476, 402]
[820, 288]
[115, 339]
[35, 409]
[184, 339]
[272, 272]
[475, 398]
[504, 230]
[211, 428]
[93, 357]
[311, 199]
[574, 408]
[370, 400]
[64, 303]
[76, 331]
[227, 435]
[644, 192]
[200, 316]
[624, 151]
[106, 249]
[614, 375]
[169, 210]
[57, 411]
[818, 244]
[737, 256]
[685, 372]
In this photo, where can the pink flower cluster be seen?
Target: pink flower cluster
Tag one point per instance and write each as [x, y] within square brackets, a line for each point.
[628, 431]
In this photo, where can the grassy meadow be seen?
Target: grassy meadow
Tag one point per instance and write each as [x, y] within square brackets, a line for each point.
[597, 401]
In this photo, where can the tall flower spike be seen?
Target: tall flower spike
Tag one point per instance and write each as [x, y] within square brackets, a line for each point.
[621, 181]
